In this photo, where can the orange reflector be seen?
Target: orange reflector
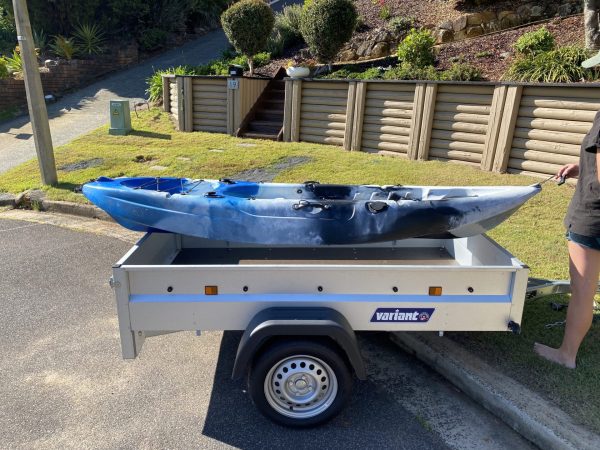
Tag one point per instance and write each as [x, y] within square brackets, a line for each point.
[211, 290]
[435, 290]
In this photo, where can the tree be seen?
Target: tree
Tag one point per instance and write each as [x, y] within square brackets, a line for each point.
[248, 25]
[591, 17]
[326, 26]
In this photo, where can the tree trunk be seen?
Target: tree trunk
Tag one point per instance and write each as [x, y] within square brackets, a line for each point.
[251, 65]
[591, 17]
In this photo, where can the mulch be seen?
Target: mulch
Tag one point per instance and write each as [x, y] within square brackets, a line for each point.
[493, 53]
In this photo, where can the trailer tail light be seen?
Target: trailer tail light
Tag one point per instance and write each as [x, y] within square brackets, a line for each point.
[211, 290]
[435, 290]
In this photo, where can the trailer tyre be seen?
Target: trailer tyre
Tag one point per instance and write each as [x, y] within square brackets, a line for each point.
[299, 383]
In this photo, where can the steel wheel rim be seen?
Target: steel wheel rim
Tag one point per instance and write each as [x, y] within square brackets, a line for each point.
[300, 386]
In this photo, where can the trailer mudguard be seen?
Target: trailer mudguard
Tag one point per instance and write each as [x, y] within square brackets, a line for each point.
[302, 322]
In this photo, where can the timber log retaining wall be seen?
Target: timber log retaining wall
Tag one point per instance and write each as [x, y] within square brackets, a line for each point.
[210, 103]
[504, 127]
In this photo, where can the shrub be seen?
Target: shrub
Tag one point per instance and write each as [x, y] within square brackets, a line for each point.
[248, 25]
[400, 24]
[461, 72]
[384, 13]
[14, 63]
[262, 59]
[407, 71]
[286, 31]
[417, 48]
[152, 39]
[3, 68]
[8, 34]
[64, 47]
[535, 42]
[562, 65]
[154, 82]
[348, 72]
[291, 17]
[326, 26]
[90, 39]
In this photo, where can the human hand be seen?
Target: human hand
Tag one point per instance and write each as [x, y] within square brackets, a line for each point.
[567, 171]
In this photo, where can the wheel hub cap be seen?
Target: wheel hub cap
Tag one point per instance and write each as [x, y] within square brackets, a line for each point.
[300, 386]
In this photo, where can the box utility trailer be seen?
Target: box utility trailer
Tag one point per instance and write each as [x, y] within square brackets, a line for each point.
[299, 307]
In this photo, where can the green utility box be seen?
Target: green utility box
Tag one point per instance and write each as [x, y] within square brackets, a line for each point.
[120, 117]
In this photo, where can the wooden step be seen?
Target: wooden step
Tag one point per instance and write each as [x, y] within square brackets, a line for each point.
[274, 93]
[255, 135]
[274, 115]
[263, 130]
[266, 123]
[273, 101]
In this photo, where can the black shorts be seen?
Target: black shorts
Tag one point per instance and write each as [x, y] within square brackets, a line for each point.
[584, 241]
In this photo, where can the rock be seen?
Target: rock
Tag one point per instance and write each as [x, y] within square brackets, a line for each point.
[488, 16]
[382, 36]
[50, 63]
[460, 35]
[505, 55]
[444, 36]
[494, 25]
[564, 9]
[536, 11]
[524, 11]
[474, 19]
[577, 7]
[509, 20]
[365, 48]
[551, 10]
[380, 50]
[474, 31]
[7, 199]
[460, 23]
[447, 25]
[347, 55]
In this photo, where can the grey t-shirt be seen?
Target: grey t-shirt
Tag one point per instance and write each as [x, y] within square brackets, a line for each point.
[583, 216]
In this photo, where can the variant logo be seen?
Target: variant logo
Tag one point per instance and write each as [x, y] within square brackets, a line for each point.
[402, 315]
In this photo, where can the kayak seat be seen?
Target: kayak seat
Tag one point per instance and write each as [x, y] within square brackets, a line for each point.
[332, 191]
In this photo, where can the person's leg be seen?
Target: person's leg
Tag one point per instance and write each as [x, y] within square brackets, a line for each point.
[584, 267]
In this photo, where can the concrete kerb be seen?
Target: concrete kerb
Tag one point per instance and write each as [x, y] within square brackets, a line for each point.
[533, 417]
[7, 200]
[76, 209]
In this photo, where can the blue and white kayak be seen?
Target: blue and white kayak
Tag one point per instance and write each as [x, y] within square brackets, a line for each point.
[303, 214]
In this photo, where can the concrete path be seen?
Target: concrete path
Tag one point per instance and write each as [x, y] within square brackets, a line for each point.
[82, 111]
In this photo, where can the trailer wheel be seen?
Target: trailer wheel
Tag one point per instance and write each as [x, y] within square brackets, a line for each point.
[299, 383]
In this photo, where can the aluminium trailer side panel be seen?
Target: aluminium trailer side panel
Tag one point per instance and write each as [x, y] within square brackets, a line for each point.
[483, 288]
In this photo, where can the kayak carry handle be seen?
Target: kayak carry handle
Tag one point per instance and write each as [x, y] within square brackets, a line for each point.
[306, 204]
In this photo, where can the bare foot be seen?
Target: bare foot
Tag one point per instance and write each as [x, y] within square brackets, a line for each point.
[553, 355]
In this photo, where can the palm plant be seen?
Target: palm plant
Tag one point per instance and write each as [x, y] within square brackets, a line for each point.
[90, 39]
[40, 40]
[14, 63]
[64, 47]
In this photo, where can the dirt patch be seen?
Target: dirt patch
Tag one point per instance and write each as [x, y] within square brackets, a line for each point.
[81, 165]
[268, 174]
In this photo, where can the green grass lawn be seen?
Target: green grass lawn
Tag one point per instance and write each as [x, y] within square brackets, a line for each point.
[534, 234]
